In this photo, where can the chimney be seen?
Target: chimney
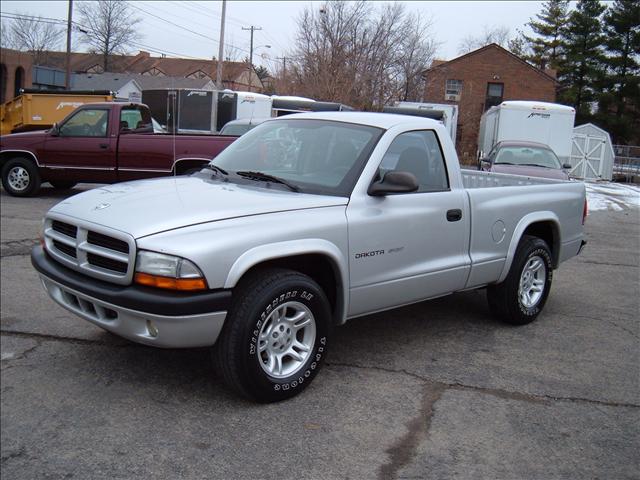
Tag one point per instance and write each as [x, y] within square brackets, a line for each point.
[143, 54]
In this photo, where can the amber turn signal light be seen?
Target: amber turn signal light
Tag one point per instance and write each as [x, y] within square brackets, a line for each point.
[168, 283]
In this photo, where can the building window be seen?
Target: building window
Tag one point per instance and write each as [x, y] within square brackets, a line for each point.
[453, 90]
[3, 83]
[18, 81]
[494, 95]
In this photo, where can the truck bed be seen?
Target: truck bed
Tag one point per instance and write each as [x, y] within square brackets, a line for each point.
[472, 179]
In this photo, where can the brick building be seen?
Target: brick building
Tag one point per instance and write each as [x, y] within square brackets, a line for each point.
[18, 70]
[480, 79]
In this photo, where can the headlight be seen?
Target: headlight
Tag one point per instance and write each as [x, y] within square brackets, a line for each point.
[168, 271]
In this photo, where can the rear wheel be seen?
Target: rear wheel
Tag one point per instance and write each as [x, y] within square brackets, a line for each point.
[275, 336]
[20, 177]
[63, 184]
[521, 296]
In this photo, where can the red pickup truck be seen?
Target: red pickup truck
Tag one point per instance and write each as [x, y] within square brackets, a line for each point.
[101, 143]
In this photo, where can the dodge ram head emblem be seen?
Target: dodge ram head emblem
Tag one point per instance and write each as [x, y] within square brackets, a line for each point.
[102, 206]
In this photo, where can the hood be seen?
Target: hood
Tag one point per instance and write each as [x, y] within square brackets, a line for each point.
[146, 207]
[531, 171]
[22, 139]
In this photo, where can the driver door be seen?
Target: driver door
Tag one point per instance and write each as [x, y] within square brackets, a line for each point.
[408, 247]
[84, 147]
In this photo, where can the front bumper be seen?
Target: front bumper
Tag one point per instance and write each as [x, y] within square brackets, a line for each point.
[144, 315]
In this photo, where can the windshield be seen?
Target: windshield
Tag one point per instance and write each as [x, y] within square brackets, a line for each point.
[316, 156]
[235, 130]
[535, 156]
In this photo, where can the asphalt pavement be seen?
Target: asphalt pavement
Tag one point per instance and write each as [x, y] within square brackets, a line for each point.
[437, 390]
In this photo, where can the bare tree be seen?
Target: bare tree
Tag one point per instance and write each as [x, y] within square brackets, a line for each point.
[33, 34]
[231, 52]
[109, 27]
[6, 38]
[490, 34]
[359, 53]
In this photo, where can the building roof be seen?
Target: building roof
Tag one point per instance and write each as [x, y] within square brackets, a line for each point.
[101, 81]
[144, 63]
[438, 64]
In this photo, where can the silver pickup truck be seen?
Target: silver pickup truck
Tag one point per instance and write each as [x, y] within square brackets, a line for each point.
[301, 224]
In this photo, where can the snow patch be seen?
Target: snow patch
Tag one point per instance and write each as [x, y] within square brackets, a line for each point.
[612, 196]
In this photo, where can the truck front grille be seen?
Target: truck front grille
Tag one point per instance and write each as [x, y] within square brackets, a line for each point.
[105, 241]
[91, 249]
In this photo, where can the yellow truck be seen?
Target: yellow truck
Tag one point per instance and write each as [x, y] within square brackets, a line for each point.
[39, 110]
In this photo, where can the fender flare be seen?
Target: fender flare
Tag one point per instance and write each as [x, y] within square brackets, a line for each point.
[174, 167]
[291, 248]
[28, 152]
[523, 224]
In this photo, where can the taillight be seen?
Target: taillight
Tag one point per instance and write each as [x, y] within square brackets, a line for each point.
[585, 211]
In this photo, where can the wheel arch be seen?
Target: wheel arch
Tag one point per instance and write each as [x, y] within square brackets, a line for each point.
[181, 165]
[544, 225]
[319, 259]
[6, 155]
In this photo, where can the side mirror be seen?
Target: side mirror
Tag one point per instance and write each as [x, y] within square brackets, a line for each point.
[566, 166]
[55, 130]
[394, 182]
[485, 164]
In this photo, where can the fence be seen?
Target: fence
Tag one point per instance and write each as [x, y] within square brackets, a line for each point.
[626, 164]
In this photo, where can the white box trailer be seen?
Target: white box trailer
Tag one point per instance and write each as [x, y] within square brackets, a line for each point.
[450, 118]
[253, 105]
[543, 122]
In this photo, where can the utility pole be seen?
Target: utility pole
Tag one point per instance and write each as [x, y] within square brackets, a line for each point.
[67, 77]
[284, 64]
[252, 28]
[221, 49]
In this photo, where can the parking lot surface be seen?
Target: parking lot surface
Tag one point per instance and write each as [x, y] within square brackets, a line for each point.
[436, 390]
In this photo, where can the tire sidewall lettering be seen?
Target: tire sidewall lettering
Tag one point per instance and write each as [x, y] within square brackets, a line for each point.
[301, 377]
[536, 309]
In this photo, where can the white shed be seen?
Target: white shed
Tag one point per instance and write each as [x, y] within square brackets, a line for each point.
[591, 153]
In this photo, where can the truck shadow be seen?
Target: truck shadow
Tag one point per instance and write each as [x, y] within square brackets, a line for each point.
[403, 338]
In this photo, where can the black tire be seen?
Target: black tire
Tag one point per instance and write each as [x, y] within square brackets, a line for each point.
[256, 302]
[62, 184]
[505, 300]
[17, 172]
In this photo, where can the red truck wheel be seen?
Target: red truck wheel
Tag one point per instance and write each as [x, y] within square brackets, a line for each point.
[20, 177]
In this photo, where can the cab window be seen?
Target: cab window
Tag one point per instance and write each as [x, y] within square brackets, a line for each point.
[417, 152]
[86, 123]
[137, 119]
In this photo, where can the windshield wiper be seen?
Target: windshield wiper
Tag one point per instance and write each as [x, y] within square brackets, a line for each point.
[534, 165]
[217, 169]
[267, 178]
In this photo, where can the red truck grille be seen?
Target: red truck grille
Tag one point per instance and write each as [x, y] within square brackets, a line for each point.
[91, 249]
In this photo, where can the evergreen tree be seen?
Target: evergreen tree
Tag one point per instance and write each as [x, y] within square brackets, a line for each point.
[546, 47]
[619, 103]
[583, 58]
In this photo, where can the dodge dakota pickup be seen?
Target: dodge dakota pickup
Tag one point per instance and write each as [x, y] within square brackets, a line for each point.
[100, 143]
[260, 255]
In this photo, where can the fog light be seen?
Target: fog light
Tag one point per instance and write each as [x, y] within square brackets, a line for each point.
[151, 328]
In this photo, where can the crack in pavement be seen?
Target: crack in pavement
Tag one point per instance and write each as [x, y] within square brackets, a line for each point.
[60, 338]
[404, 449]
[595, 262]
[495, 392]
[605, 319]
[15, 248]
[21, 452]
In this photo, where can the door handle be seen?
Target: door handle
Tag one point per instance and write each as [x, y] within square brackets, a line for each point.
[454, 215]
[104, 145]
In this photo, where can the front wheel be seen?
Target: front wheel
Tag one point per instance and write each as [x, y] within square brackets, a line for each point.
[20, 177]
[520, 298]
[275, 335]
